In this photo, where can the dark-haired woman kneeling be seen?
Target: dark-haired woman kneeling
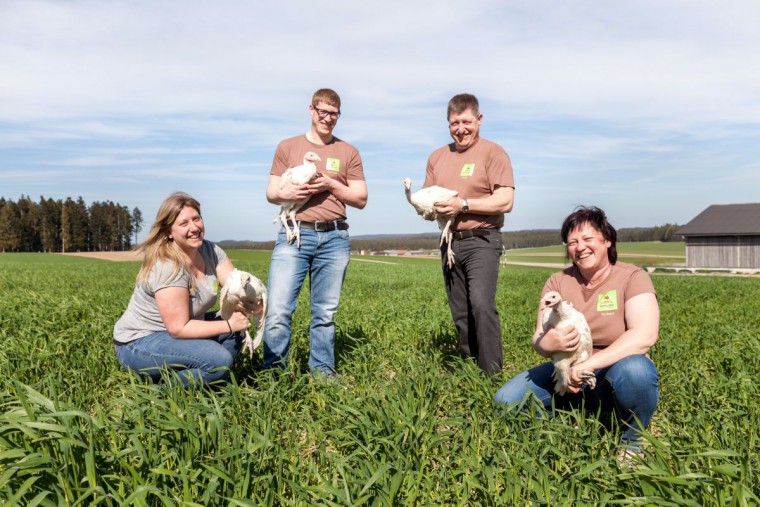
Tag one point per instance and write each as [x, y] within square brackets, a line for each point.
[619, 303]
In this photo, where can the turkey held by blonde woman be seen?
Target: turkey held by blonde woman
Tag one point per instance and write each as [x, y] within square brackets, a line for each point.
[243, 288]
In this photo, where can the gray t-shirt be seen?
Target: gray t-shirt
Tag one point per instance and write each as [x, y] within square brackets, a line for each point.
[142, 316]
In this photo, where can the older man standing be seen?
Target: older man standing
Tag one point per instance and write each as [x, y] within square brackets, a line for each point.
[481, 172]
[325, 247]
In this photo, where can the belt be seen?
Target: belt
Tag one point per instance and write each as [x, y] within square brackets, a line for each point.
[341, 225]
[472, 233]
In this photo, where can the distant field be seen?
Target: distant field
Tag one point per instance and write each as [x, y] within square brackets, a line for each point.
[645, 253]
[651, 253]
[671, 248]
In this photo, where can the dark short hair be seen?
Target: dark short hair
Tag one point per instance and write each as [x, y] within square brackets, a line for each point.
[461, 103]
[596, 218]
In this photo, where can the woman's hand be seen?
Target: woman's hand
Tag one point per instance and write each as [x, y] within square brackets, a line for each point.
[239, 321]
[579, 375]
[250, 308]
[565, 339]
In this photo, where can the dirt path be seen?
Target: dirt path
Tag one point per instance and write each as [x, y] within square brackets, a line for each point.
[376, 262]
[134, 257]
[109, 256]
[554, 265]
[620, 254]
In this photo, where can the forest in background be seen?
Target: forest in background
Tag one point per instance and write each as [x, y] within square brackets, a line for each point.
[512, 239]
[72, 226]
[66, 226]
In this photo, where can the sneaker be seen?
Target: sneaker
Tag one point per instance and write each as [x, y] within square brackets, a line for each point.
[630, 457]
[324, 375]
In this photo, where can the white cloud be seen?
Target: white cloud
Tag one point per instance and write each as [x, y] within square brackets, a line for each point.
[106, 58]
[593, 100]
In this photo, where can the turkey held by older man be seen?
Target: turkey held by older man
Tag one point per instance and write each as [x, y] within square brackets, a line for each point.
[424, 201]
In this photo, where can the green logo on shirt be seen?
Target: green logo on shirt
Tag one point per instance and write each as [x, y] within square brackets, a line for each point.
[333, 165]
[607, 301]
[467, 170]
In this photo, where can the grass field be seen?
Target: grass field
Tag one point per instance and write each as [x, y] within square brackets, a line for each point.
[407, 423]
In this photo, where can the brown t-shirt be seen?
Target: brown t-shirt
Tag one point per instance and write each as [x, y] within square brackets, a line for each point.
[340, 161]
[604, 305]
[475, 172]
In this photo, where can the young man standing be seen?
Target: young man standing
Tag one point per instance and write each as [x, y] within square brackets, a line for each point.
[481, 172]
[325, 247]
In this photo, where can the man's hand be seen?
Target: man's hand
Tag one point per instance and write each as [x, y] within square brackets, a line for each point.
[290, 192]
[319, 183]
[449, 208]
[428, 215]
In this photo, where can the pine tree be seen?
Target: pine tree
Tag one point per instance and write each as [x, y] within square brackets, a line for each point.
[29, 225]
[10, 227]
[50, 224]
[137, 220]
[78, 226]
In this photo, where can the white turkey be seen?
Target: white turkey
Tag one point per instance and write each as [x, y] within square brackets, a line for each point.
[242, 287]
[298, 176]
[558, 314]
[424, 201]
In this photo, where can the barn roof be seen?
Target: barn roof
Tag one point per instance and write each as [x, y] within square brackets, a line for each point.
[725, 220]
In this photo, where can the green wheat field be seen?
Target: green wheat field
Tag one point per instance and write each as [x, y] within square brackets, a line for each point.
[407, 423]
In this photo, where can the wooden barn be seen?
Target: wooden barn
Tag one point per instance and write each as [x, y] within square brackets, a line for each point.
[724, 236]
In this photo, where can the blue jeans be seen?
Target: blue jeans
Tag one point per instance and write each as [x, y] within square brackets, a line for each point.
[324, 256]
[194, 360]
[630, 387]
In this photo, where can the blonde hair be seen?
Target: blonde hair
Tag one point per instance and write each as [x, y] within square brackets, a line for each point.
[158, 246]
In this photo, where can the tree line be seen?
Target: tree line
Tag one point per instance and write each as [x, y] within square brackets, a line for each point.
[532, 238]
[66, 226]
[547, 237]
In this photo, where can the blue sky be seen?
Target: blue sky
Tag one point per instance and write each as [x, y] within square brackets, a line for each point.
[648, 109]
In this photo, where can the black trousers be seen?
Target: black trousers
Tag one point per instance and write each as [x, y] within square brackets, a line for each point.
[471, 290]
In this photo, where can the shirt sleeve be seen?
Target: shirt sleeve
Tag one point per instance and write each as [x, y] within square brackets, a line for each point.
[279, 162]
[639, 283]
[429, 173]
[355, 167]
[161, 277]
[501, 174]
[220, 254]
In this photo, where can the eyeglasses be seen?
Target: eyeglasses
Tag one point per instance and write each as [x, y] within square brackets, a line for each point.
[324, 113]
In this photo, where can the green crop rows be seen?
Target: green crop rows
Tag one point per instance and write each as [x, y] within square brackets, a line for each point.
[407, 423]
